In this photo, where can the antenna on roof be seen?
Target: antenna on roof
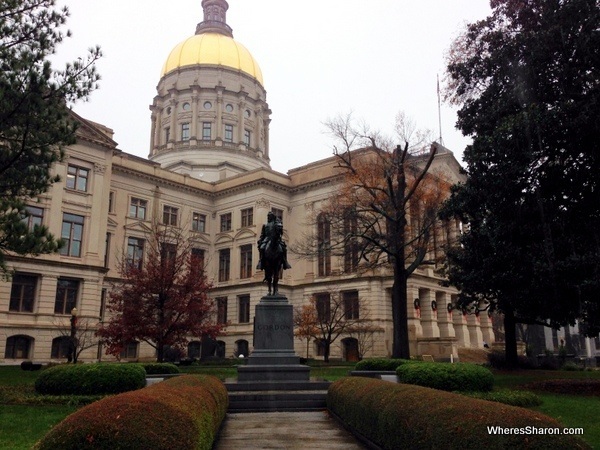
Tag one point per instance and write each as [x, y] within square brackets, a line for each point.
[439, 110]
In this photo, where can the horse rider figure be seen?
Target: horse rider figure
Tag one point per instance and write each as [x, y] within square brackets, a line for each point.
[265, 237]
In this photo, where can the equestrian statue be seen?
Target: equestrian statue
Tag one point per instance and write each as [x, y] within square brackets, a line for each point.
[273, 252]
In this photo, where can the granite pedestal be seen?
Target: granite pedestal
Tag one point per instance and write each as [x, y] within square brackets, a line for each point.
[273, 358]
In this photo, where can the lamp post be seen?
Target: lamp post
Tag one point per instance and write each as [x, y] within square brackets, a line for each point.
[73, 342]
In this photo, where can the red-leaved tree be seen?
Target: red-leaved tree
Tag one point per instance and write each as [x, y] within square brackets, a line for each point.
[162, 298]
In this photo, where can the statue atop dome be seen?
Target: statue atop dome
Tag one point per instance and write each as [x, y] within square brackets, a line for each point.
[215, 18]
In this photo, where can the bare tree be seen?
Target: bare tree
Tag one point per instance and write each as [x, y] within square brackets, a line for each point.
[384, 213]
[80, 335]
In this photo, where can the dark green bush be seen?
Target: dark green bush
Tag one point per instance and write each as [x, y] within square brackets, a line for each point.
[497, 360]
[589, 387]
[90, 379]
[524, 399]
[400, 416]
[180, 413]
[160, 368]
[380, 364]
[446, 376]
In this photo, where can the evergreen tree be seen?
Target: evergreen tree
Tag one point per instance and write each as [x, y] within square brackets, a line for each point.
[527, 80]
[34, 115]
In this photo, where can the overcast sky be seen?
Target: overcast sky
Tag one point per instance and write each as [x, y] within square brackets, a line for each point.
[319, 58]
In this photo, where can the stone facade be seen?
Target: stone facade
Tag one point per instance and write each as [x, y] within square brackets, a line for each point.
[218, 188]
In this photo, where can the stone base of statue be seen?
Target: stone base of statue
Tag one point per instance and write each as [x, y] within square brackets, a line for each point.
[273, 358]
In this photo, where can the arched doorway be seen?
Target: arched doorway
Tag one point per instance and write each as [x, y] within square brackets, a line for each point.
[241, 348]
[351, 352]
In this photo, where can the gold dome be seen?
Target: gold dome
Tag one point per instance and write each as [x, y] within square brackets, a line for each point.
[212, 48]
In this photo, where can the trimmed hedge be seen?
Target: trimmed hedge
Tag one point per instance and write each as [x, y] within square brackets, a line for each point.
[160, 368]
[589, 387]
[397, 416]
[180, 413]
[380, 364]
[90, 379]
[446, 376]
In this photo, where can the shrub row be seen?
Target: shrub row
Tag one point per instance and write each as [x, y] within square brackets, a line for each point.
[160, 368]
[396, 416]
[446, 376]
[568, 386]
[380, 364]
[524, 399]
[180, 413]
[90, 379]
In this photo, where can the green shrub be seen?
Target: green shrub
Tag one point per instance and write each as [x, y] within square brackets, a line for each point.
[589, 387]
[524, 399]
[446, 376]
[497, 360]
[90, 379]
[180, 413]
[380, 364]
[160, 368]
[399, 416]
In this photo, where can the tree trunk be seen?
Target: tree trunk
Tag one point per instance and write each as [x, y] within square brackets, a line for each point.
[510, 339]
[326, 352]
[400, 346]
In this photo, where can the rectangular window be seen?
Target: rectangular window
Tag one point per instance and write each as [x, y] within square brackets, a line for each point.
[66, 296]
[247, 135]
[35, 216]
[72, 235]
[130, 351]
[185, 131]
[351, 305]
[22, 293]
[224, 264]
[102, 304]
[111, 201]
[198, 259]
[246, 261]
[247, 217]
[167, 135]
[278, 213]
[244, 309]
[135, 252]
[228, 133]
[221, 309]
[168, 253]
[199, 222]
[77, 178]
[226, 222]
[323, 305]
[170, 215]
[350, 244]
[138, 208]
[323, 245]
[206, 131]
[107, 249]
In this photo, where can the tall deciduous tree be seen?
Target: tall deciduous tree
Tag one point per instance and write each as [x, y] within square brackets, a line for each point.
[34, 120]
[527, 81]
[163, 297]
[384, 213]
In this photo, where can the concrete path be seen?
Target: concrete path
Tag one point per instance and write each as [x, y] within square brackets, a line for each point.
[284, 430]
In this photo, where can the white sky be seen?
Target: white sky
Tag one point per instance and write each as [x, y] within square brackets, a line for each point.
[319, 58]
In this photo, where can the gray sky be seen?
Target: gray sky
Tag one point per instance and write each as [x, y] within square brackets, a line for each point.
[319, 58]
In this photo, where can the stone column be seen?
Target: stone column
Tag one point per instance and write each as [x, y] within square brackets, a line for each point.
[444, 317]
[474, 327]
[428, 315]
[460, 328]
[414, 316]
[487, 330]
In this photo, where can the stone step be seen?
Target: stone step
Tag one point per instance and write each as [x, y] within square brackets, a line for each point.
[233, 386]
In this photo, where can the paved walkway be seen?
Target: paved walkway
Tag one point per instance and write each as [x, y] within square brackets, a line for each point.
[284, 430]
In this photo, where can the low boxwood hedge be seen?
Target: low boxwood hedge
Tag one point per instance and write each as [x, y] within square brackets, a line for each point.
[446, 376]
[180, 413]
[160, 368]
[90, 379]
[380, 364]
[398, 416]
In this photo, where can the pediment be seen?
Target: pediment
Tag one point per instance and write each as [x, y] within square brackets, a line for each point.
[245, 233]
[200, 239]
[139, 225]
[111, 223]
[224, 239]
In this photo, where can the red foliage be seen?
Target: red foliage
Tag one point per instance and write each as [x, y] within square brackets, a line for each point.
[162, 300]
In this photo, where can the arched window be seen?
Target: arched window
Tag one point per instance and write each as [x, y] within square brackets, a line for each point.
[220, 350]
[324, 245]
[242, 348]
[18, 347]
[61, 347]
[194, 349]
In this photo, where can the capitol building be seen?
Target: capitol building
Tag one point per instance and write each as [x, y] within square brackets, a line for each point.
[208, 173]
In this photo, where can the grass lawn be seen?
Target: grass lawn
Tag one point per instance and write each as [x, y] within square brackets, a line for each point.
[22, 425]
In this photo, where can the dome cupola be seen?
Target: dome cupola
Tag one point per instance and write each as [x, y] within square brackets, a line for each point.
[210, 118]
